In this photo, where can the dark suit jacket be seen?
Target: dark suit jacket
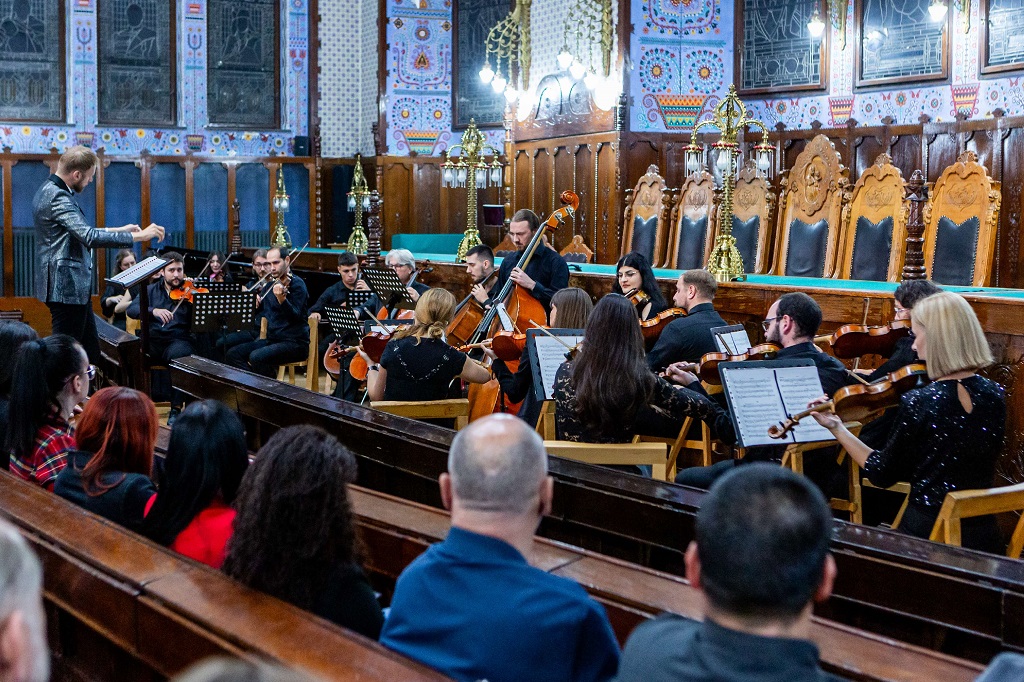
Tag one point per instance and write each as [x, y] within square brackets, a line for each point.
[686, 339]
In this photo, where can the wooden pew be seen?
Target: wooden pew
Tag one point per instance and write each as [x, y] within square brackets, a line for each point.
[958, 601]
[396, 531]
[122, 361]
[120, 607]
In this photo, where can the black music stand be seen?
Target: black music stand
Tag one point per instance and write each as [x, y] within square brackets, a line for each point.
[343, 321]
[217, 287]
[357, 298]
[385, 283]
[223, 311]
[141, 272]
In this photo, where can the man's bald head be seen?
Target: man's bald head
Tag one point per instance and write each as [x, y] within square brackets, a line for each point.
[497, 464]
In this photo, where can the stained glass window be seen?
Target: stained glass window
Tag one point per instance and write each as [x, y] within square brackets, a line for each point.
[1003, 35]
[899, 43]
[31, 60]
[136, 62]
[776, 51]
[242, 63]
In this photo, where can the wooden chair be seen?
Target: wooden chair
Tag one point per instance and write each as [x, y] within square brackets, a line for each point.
[810, 211]
[901, 487]
[752, 203]
[311, 363]
[680, 443]
[691, 232]
[644, 221]
[546, 420]
[874, 225]
[577, 251]
[961, 221]
[964, 504]
[450, 408]
[640, 454]
[793, 458]
[505, 247]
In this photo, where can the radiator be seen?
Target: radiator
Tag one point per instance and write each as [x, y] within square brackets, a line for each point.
[24, 261]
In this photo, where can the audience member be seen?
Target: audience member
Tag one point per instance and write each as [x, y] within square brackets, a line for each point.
[760, 557]
[24, 656]
[51, 377]
[294, 533]
[109, 473]
[205, 461]
[12, 335]
[221, 669]
[472, 606]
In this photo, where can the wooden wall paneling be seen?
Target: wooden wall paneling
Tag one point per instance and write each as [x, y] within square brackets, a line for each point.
[231, 168]
[905, 150]
[313, 189]
[271, 167]
[637, 154]
[563, 178]
[426, 215]
[865, 146]
[1012, 146]
[8, 279]
[101, 211]
[189, 164]
[398, 188]
[543, 181]
[521, 189]
[583, 174]
[941, 148]
[609, 202]
[144, 163]
[673, 158]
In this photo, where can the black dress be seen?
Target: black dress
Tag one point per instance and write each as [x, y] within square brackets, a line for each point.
[421, 371]
[939, 447]
[112, 290]
[348, 600]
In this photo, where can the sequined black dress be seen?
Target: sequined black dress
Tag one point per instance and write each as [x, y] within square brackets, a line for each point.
[939, 447]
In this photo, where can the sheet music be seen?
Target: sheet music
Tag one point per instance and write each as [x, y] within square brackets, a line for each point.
[800, 386]
[547, 355]
[732, 339]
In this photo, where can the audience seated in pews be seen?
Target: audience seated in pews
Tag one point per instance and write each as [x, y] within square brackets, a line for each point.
[417, 363]
[13, 334]
[607, 393]
[570, 309]
[760, 557]
[51, 378]
[109, 473]
[24, 656]
[471, 606]
[294, 533]
[116, 299]
[689, 338]
[220, 669]
[634, 274]
[206, 459]
[947, 435]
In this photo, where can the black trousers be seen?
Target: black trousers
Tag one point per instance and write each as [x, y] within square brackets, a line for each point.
[263, 356]
[165, 350]
[77, 321]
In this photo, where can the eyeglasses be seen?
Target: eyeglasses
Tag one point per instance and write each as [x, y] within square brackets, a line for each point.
[767, 323]
[900, 311]
[90, 371]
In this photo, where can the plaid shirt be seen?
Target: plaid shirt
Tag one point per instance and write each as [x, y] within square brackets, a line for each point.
[54, 440]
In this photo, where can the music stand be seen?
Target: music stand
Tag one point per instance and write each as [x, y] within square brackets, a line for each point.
[356, 298]
[385, 283]
[343, 321]
[219, 311]
[141, 272]
[217, 287]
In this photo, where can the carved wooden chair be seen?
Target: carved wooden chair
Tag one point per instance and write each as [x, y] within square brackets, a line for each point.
[810, 211]
[961, 220]
[964, 504]
[644, 222]
[874, 230]
[505, 247]
[577, 251]
[691, 230]
[752, 204]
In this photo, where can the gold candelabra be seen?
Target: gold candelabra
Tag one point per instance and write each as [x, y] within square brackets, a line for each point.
[509, 41]
[280, 236]
[358, 201]
[730, 117]
[472, 171]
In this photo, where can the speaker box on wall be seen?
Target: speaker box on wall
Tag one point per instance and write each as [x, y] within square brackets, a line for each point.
[301, 145]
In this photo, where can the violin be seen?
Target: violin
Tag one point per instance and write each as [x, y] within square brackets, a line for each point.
[508, 346]
[638, 297]
[373, 345]
[333, 356]
[187, 292]
[652, 328]
[855, 340]
[707, 369]
[859, 402]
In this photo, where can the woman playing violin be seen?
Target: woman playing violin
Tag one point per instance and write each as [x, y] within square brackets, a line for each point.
[635, 278]
[607, 394]
[217, 265]
[417, 363]
[948, 434]
[907, 295]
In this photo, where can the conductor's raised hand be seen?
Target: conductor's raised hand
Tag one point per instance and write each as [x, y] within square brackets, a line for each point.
[154, 231]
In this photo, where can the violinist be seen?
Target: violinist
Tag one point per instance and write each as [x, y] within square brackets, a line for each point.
[404, 265]
[217, 268]
[283, 301]
[170, 319]
[480, 266]
[116, 299]
[907, 295]
[634, 274]
[948, 434]
[689, 338]
[547, 271]
[417, 363]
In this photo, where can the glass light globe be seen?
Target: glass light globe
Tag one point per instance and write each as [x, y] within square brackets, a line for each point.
[486, 73]
[461, 175]
[723, 160]
[591, 80]
[496, 175]
[351, 202]
[448, 176]
[816, 27]
[511, 94]
[366, 202]
[763, 162]
[937, 10]
[498, 84]
[577, 70]
[606, 93]
[564, 59]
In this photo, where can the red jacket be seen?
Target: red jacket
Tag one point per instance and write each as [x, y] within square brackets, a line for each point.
[206, 538]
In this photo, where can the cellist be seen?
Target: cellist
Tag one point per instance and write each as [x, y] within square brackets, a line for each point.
[546, 273]
[480, 266]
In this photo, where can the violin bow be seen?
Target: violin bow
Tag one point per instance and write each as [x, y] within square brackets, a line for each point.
[545, 331]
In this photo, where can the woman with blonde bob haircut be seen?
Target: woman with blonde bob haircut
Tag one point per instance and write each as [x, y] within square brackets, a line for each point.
[417, 363]
[947, 435]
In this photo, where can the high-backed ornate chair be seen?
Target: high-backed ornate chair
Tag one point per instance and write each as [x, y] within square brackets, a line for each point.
[810, 212]
[643, 227]
[505, 247]
[690, 227]
[961, 219]
[577, 251]
[752, 203]
[874, 231]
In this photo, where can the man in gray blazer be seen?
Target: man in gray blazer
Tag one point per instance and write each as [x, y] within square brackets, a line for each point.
[63, 248]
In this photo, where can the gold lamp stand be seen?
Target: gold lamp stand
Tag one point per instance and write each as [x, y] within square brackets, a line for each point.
[472, 171]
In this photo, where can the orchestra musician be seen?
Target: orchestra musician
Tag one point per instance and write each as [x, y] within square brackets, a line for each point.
[689, 338]
[336, 296]
[260, 268]
[606, 393]
[634, 274]
[547, 271]
[948, 434]
[170, 320]
[217, 268]
[116, 299]
[480, 266]
[283, 301]
[404, 264]
[417, 363]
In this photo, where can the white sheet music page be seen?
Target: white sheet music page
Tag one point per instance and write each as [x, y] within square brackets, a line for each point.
[734, 341]
[762, 396]
[799, 386]
[550, 356]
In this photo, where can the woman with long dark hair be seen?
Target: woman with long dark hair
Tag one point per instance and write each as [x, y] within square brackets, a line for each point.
[295, 536]
[605, 394]
[109, 473]
[51, 377]
[218, 268]
[206, 459]
[633, 274]
[12, 335]
[115, 299]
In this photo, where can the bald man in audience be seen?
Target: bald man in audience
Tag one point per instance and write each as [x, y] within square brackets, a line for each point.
[23, 653]
[471, 606]
[760, 559]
